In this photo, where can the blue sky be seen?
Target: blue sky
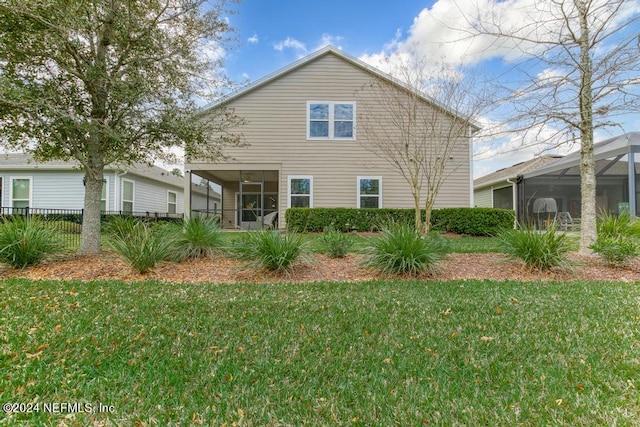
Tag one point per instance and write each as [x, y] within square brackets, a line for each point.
[273, 33]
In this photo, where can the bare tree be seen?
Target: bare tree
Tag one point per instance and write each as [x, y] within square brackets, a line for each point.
[110, 82]
[578, 73]
[429, 117]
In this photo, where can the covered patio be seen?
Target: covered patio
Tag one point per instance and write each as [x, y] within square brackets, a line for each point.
[617, 183]
[250, 194]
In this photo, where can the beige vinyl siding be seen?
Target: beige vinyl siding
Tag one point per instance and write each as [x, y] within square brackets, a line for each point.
[277, 133]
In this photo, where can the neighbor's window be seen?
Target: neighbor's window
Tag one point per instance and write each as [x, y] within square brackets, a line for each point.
[127, 196]
[172, 202]
[300, 192]
[369, 192]
[331, 120]
[20, 192]
[105, 192]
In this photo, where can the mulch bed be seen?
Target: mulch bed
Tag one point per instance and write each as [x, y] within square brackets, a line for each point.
[108, 266]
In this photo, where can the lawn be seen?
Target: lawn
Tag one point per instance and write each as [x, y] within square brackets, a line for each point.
[374, 353]
[458, 244]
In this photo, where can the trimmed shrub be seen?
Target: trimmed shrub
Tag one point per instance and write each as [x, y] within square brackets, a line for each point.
[472, 221]
[335, 244]
[469, 221]
[269, 250]
[400, 250]
[539, 250]
[26, 241]
[196, 237]
[139, 244]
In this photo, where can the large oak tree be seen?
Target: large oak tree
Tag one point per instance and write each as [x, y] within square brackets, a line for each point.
[111, 82]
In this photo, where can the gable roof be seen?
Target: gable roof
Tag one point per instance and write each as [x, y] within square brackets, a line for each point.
[612, 147]
[21, 161]
[511, 172]
[330, 50]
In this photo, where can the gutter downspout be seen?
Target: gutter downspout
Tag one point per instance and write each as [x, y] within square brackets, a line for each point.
[514, 192]
[187, 195]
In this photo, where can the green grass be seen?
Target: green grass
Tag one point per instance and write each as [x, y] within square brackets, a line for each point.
[462, 244]
[377, 353]
[467, 244]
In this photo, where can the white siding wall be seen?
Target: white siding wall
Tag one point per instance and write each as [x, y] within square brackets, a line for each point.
[50, 189]
[277, 133]
[63, 189]
[482, 198]
[150, 195]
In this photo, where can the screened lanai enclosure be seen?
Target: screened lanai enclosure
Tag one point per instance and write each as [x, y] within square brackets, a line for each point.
[553, 192]
[249, 198]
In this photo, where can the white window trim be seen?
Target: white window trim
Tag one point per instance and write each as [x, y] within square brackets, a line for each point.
[169, 202]
[11, 179]
[105, 185]
[331, 121]
[122, 200]
[360, 178]
[289, 178]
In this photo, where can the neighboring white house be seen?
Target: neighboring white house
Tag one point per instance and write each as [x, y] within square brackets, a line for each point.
[549, 186]
[139, 189]
[498, 189]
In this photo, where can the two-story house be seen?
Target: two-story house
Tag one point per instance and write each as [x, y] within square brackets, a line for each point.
[306, 149]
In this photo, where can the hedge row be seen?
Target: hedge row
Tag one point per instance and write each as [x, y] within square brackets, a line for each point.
[469, 221]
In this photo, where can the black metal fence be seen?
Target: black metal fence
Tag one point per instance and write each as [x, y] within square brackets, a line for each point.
[69, 221]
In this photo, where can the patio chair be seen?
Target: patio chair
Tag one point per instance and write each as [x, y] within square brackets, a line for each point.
[270, 220]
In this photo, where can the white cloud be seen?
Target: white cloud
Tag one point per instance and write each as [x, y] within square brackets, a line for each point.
[291, 43]
[448, 31]
[328, 39]
[253, 39]
[492, 154]
[212, 51]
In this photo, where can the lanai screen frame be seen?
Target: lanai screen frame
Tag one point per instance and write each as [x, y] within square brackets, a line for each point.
[617, 181]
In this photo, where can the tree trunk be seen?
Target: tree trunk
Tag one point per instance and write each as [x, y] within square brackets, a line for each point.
[588, 233]
[428, 207]
[418, 214]
[90, 244]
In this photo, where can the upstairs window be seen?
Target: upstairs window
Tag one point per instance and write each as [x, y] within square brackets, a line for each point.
[331, 120]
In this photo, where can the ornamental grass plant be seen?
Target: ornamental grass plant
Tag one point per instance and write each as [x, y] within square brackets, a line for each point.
[25, 241]
[140, 244]
[193, 238]
[269, 250]
[538, 249]
[335, 244]
[401, 250]
[618, 238]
